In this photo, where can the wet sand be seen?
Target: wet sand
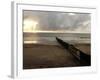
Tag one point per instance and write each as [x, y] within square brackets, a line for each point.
[48, 56]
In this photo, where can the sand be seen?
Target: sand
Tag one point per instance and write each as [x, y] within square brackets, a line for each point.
[48, 56]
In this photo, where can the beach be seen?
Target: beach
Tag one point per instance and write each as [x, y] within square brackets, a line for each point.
[49, 56]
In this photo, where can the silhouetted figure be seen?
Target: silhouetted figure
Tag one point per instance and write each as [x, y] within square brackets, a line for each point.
[84, 59]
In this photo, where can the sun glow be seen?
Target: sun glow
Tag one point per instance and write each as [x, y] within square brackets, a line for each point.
[71, 14]
[30, 25]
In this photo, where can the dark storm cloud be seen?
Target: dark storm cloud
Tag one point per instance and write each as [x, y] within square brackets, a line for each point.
[54, 21]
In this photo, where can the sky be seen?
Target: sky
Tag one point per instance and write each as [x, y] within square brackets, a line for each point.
[56, 21]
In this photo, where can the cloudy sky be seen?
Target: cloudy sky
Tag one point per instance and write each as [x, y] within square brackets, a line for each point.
[56, 21]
